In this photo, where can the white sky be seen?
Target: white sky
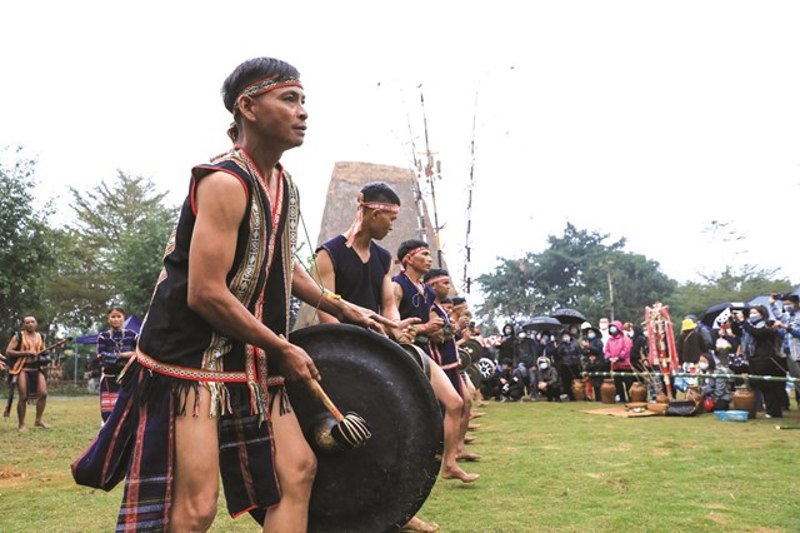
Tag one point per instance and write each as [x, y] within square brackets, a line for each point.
[641, 119]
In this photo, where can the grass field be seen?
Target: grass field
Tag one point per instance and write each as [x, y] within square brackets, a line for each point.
[546, 467]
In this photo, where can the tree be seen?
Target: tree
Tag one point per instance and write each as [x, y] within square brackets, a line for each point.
[577, 270]
[121, 230]
[25, 242]
[731, 285]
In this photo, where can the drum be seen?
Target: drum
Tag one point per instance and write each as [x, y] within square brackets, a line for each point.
[381, 485]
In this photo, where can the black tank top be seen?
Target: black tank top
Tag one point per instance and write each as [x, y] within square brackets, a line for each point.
[358, 282]
[414, 303]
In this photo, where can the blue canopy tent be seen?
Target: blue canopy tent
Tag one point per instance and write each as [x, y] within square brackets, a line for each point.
[132, 322]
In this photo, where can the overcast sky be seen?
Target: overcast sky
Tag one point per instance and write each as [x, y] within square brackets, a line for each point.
[645, 120]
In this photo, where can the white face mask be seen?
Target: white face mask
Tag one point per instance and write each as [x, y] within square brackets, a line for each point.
[543, 366]
[523, 335]
[702, 366]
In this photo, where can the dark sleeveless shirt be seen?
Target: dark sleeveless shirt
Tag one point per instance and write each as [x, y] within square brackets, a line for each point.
[173, 333]
[414, 303]
[447, 350]
[358, 282]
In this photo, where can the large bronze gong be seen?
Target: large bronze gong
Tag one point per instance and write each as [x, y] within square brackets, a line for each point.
[381, 485]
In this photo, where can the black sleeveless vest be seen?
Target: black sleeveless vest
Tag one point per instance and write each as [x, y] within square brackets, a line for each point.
[358, 282]
[260, 276]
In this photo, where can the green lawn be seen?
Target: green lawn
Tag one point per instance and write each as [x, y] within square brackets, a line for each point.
[547, 467]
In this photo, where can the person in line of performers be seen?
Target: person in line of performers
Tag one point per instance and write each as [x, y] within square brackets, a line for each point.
[618, 353]
[444, 351]
[786, 309]
[29, 344]
[206, 384]
[415, 299]
[356, 268]
[115, 347]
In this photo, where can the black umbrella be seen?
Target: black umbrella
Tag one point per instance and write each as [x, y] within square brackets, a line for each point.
[542, 323]
[714, 311]
[568, 316]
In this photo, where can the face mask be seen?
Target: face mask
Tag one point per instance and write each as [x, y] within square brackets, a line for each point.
[755, 318]
[565, 339]
[523, 335]
[613, 330]
[543, 366]
[789, 308]
[592, 335]
[629, 334]
[702, 366]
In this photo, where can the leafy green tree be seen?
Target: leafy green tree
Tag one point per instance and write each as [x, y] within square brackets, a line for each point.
[25, 242]
[124, 225]
[577, 270]
[731, 285]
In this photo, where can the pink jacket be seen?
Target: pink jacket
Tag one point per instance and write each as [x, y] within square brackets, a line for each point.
[619, 346]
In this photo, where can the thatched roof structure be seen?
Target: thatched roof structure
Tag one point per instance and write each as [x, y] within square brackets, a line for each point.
[346, 181]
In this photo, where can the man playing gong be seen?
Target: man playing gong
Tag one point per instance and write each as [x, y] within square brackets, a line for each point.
[415, 299]
[204, 393]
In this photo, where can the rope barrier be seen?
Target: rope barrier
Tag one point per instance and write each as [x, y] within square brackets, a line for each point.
[727, 377]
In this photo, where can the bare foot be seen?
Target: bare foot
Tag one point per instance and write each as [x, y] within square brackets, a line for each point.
[22, 428]
[476, 414]
[469, 439]
[6, 413]
[473, 427]
[466, 456]
[457, 473]
[40, 424]
[417, 525]
[481, 404]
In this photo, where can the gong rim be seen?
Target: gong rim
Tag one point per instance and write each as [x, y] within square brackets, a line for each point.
[381, 486]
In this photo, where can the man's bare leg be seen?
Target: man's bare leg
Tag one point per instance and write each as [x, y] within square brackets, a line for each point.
[41, 402]
[296, 466]
[22, 402]
[196, 482]
[453, 407]
[466, 397]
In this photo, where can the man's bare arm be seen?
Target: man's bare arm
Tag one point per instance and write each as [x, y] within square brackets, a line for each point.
[326, 276]
[221, 206]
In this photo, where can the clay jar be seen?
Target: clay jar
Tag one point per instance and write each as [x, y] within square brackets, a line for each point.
[638, 392]
[608, 391]
[744, 399]
[577, 390]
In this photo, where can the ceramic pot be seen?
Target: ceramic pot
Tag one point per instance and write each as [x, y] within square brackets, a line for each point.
[577, 390]
[608, 391]
[638, 392]
[744, 399]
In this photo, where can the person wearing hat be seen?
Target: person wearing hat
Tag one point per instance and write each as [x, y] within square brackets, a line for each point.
[690, 343]
[593, 336]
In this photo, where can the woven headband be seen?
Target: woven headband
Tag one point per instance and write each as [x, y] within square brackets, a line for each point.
[412, 253]
[356, 227]
[264, 86]
[437, 279]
